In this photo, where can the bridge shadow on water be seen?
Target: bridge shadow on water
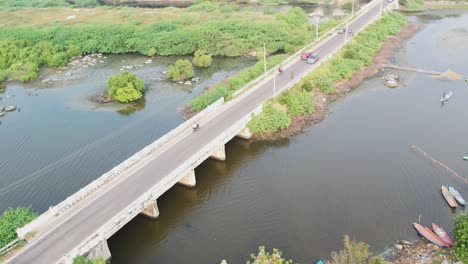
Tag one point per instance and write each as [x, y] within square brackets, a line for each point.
[137, 241]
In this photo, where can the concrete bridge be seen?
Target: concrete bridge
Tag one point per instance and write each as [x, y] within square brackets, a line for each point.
[82, 223]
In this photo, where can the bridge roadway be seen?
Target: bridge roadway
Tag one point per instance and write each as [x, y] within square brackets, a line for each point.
[51, 246]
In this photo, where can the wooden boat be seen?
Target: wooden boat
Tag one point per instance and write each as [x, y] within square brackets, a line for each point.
[449, 197]
[446, 96]
[457, 195]
[442, 234]
[429, 235]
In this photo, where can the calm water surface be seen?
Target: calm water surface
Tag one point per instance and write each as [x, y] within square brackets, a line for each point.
[354, 173]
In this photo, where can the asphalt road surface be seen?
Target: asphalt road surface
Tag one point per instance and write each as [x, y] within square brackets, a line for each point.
[52, 246]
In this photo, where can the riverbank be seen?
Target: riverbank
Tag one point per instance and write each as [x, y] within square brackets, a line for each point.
[322, 98]
[445, 5]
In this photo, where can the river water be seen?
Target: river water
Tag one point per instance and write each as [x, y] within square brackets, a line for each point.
[354, 173]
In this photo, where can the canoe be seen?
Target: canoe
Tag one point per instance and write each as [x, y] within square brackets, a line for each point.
[457, 195]
[446, 96]
[429, 235]
[449, 197]
[442, 234]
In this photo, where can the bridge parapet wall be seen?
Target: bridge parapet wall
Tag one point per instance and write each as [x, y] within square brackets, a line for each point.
[114, 172]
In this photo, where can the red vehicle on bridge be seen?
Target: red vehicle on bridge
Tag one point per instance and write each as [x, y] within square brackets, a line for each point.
[306, 55]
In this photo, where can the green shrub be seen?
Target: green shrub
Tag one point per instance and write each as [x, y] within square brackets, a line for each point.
[182, 70]
[202, 59]
[125, 87]
[269, 121]
[263, 257]
[151, 52]
[298, 102]
[84, 260]
[206, 6]
[348, 6]
[12, 219]
[355, 253]
[460, 234]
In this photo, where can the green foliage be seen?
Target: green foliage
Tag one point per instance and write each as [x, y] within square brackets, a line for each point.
[355, 253]
[460, 234]
[229, 8]
[125, 87]
[206, 6]
[263, 257]
[83, 260]
[151, 52]
[298, 102]
[348, 6]
[182, 70]
[413, 5]
[20, 60]
[202, 59]
[12, 219]
[269, 121]
[295, 17]
[234, 83]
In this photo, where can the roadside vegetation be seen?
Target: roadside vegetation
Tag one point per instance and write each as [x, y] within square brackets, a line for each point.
[12, 219]
[413, 5]
[125, 87]
[84, 260]
[299, 100]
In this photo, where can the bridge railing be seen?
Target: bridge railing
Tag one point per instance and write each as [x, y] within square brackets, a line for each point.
[117, 170]
[325, 37]
[137, 206]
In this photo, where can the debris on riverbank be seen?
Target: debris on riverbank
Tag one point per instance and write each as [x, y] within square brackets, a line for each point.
[421, 252]
[322, 101]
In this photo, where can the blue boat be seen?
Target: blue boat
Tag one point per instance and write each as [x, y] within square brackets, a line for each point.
[457, 195]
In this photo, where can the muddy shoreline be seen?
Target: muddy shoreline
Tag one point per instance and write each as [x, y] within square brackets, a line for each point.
[322, 101]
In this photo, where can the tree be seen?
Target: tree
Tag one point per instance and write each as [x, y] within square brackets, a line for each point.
[182, 70]
[460, 233]
[202, 59]
[12, 219]
[125, 87]
[266, 258]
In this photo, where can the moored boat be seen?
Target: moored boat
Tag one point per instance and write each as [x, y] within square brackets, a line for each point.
[439, 231]
[429, 235]
[446, 96]
[449, 197]
[457, 195]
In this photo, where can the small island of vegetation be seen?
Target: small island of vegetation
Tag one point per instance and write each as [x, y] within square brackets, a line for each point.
[125, 87]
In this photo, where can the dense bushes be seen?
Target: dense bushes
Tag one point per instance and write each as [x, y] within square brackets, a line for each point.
[182, 70]
[299, 102]
[269, 121]
[226, 89]
[460, 233]
[125, 87]
[84, 260]
[12, 219]
[20, 60]
[202, 59]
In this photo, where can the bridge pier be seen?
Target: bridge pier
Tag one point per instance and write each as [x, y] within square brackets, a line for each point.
[151, 210]
[245, 133]
[219, 153]
[189, 179]
[101, 250]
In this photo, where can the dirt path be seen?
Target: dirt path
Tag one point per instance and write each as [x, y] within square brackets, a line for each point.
[322, 101]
